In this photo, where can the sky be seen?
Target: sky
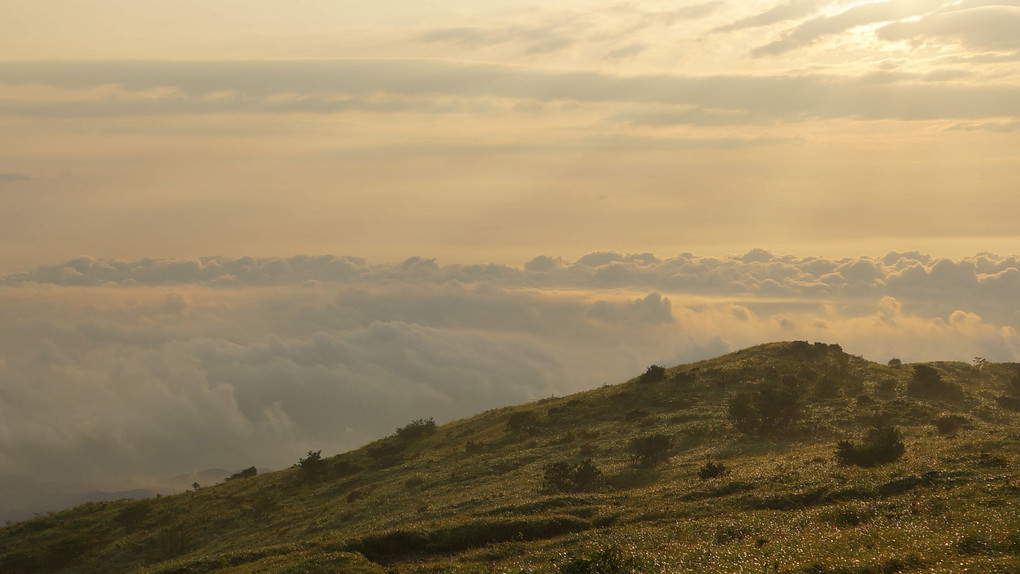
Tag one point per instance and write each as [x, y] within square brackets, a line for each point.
[265, 227]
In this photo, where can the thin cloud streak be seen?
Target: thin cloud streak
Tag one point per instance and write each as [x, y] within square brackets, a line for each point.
[330, 86]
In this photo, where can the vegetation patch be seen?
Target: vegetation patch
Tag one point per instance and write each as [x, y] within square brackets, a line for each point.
[396, 544]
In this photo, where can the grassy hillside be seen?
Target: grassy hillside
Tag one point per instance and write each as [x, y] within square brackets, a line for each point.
[486, 494]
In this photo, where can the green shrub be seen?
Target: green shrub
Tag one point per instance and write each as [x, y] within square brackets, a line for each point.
[948, 424]
[565, 477]
[1013, 385]
[313, 467]
[648, 451]
[767, 406]
[246, 473]
[416, 429]
[882, 444]
[523, 422]
[387, 453]
[653, 374]
[132, 516]
[606, 561]
[344, 468]
[712, 470]
[635, 414]
[927, 382]
[1008, 402]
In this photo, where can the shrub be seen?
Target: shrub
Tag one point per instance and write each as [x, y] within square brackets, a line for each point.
[246, 473]
[635, 414]
[927, 383]
[343, 468]
[653, 374]
[766, 407]
[882, 444]
[607, 561]
[712, 470]
[567, 478]
[312, 466]
[523, 422]
[132, 517]
[648, 451]
[894, 362]
[886, 386]
[416, 429]
[948, 424]
[1013, 385]
[387, 453]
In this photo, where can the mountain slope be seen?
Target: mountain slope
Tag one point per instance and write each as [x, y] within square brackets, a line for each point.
[486, 494]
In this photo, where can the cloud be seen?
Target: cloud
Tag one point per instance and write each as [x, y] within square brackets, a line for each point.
[987, 28]
[792, 10]
[13, 177]
[628, 51]
[122, 367]
[539, 40]
[423, 85]
[874, 12]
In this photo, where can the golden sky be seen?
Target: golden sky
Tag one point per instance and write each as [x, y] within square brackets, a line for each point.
[496, 131]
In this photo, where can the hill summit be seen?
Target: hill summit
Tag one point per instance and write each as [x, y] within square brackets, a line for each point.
[784, 457]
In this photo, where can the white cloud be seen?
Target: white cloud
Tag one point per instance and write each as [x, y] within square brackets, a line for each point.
[119, 367]
[981, 28]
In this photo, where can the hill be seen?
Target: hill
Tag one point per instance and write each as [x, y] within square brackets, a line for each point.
[725, 465]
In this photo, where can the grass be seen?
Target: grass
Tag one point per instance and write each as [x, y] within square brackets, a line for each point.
[468, 496]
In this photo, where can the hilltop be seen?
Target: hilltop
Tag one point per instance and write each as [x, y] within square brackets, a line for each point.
[728, 464]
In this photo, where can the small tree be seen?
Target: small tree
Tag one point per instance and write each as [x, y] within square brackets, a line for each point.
[312, 466]
[246, 473]
[648, 451]
[417, 429]
[712, 470]
[565, 477]
[927, 382]
[767, 406]
[1013, 385]
[523, 422]
[882, 444]
[653, 374]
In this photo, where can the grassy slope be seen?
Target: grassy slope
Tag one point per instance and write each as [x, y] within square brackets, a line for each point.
[468, 497]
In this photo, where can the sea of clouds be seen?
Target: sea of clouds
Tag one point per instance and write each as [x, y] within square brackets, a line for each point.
[151, 368]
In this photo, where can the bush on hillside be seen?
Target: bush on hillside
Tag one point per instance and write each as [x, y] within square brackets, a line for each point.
[313, 467]
[417, 429]
[927, 382]
[712, 470]
[523, 422]
[344, 468]
[569, 478]
[610, 560]
[246, 473]
[648, 451]
[653, 374]
[767, 406]
[1013, 384]
[948, 424]
[882, 444]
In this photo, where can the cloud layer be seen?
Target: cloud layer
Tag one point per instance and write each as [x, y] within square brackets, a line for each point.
[156, 367]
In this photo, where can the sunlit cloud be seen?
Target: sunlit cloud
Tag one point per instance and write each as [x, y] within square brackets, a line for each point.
[260, 359]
